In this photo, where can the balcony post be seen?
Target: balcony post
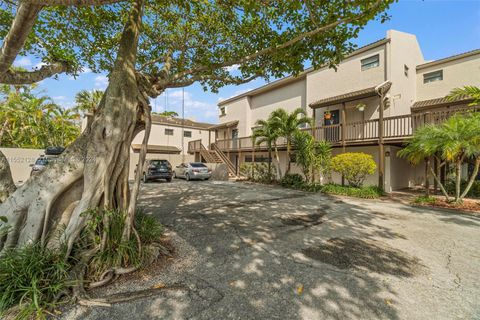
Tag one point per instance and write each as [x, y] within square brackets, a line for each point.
[239, 155]
[344, 126]
[381, 148]
[314, 124]
[209, 139]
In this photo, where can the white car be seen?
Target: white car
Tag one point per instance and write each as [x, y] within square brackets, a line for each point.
[192, 171]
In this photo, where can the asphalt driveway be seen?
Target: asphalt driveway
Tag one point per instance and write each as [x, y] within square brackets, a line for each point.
[246, 251]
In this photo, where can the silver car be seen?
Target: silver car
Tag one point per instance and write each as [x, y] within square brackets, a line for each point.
[192, 171]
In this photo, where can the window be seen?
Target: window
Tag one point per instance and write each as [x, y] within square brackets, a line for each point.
[169, 132]
[234, 133]
[187, 134]
[405, 70]
[223, 111]
[433, 76]
[370, 62]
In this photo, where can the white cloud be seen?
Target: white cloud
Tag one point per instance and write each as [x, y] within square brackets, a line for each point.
[59, 98]
[194, 109]
[232, 68]
[23, 62]
[39, 65]
[101, 82]
[86, 70]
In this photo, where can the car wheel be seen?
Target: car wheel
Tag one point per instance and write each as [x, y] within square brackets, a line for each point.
[145, 180]
[169, 180]
[187, 176]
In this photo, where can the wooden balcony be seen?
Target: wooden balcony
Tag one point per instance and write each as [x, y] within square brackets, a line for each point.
[396, 130]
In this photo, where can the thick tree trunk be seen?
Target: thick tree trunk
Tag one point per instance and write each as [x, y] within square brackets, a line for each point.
[93, 171]
[7, 186]
[472, 178]
[458, 180]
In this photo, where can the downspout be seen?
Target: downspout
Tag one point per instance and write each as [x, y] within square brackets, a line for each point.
[381, 149]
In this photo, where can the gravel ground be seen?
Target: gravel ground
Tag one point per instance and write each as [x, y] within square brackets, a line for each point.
[247, 251]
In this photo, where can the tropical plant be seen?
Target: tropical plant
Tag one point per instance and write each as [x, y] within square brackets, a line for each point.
[292, 180]
[466, 91]
[166, 113]
[288, 124]
[454, 141]
[354, 166]
[305, 154]
[31, 121]
[257, 172]
[87, 101]
[323, 156]
[266, 133]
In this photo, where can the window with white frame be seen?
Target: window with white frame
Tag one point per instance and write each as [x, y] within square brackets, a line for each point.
[187, 134]
[223, 111]
[169, 132]
[433, 76]
[370, 62]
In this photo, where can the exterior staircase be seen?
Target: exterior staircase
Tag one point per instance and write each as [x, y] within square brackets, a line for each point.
[214, 155]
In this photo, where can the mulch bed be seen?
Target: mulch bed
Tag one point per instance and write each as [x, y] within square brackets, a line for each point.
[469, 206]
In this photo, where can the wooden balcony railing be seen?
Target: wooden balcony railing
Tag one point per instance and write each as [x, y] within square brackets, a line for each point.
[396, 128]
[195, 146]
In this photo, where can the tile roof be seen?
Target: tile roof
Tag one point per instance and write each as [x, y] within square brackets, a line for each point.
[447, 59]
[178, 122]
[349, 96]
[154, 148]
[224, 125]
[442, 101]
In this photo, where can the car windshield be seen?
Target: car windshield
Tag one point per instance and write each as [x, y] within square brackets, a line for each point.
[197, 165]
[41, 162]
[159, 163]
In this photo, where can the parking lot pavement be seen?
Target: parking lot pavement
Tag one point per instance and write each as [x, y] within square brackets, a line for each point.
[248, 251]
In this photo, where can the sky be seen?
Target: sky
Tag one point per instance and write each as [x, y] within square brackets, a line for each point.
[443, 28]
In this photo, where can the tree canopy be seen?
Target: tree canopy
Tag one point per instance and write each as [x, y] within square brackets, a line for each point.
[183, 41]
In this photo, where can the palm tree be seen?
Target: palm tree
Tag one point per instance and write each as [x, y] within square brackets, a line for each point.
[87, 101]
[323, 155]
[466, 92]
[305, 155]
[454, 141]
[267, 133]
[288, 124]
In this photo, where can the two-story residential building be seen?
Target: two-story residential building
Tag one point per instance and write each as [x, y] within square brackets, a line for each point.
[169, 139]
[371, 103]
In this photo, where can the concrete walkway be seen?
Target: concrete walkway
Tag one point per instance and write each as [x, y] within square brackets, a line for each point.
[246, 251]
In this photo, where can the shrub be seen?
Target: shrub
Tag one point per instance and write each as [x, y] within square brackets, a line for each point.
[425, 200]
[105, 228]
[474, 191]
[369, 192]
[293, 180]
[259, 173]
[32, 277]
[148, 228]
[354, 166]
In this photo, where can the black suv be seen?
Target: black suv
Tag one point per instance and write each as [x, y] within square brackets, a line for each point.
[157, 169]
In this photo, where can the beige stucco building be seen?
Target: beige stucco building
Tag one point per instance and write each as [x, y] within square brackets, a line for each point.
[169, 139]
[397, 88]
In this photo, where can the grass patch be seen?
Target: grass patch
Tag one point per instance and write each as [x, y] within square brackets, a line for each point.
[105, 228]
[425, 200]
[366, 192]
[32, 278]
